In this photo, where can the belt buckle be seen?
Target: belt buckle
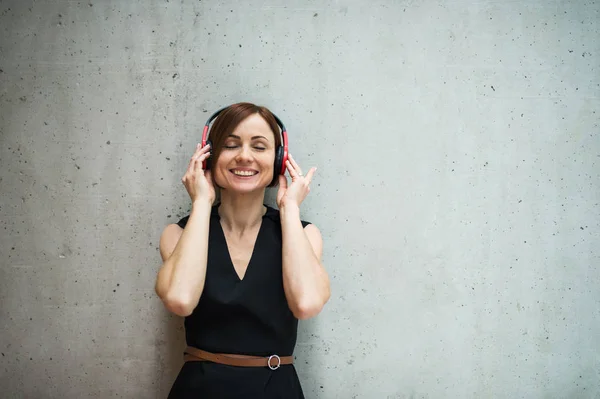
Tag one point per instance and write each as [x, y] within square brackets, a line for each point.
[278, 362]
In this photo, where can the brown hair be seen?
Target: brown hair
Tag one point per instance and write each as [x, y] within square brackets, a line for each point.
[230, 118]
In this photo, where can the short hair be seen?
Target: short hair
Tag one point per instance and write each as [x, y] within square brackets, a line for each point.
[226, 122]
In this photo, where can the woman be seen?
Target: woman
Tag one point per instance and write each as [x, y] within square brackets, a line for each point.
[240, 272]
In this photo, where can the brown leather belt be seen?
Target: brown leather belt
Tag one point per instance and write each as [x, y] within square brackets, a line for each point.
[273, 362]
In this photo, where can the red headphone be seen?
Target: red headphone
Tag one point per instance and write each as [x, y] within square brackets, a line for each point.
[281, 153]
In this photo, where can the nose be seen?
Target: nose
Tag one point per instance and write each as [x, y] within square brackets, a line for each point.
[244, 155]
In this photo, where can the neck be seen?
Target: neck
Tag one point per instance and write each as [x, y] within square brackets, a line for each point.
[241, 212]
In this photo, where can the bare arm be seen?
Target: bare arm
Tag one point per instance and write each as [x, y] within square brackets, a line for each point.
[305, 280]
[180, 280]
[184, 252]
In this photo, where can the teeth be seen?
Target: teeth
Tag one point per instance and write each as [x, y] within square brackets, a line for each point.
[243, 173]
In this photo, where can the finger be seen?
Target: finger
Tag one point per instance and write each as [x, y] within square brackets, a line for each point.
[200, 150]
[291, 170]
[191, 163]
[204, 149]
[310, 175]
[295, 165]
[199, 161]
[203, 156]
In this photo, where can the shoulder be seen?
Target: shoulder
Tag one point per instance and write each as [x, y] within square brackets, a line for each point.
[316, 240]
[183, 221]
[310, 229]
[171, 234]
[168, 239]
[275, 215]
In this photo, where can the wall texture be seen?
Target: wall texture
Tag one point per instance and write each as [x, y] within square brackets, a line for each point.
[458, 150]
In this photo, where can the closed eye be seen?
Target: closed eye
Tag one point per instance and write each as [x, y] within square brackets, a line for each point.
[235, 146]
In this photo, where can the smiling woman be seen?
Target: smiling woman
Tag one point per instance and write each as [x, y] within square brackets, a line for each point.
[242, 273]
[249, 124]
[246, 159]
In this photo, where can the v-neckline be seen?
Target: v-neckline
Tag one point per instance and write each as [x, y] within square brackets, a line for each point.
[229, 258]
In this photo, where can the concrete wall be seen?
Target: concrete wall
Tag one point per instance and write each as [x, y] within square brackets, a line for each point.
[458, 151]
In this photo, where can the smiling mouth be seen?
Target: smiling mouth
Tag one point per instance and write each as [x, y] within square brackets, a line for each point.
[244, 173]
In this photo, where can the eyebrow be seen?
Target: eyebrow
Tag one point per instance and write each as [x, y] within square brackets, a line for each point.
[253, 137]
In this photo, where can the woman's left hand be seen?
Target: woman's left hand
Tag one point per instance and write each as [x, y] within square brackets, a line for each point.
[295, 193]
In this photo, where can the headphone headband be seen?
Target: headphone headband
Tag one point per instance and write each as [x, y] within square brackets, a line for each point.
[213, 116]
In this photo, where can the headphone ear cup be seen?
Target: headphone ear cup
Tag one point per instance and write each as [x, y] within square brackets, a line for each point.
[278, 162]
[207, 162]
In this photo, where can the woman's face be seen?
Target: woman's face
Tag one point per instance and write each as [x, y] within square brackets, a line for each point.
[247, 157]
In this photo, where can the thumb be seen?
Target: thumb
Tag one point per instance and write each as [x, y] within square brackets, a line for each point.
[282, 188]
[283, 181]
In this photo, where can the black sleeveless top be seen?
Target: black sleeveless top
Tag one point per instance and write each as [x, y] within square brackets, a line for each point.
[248, 316]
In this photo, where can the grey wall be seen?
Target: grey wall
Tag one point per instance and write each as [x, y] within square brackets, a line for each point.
[458, 186]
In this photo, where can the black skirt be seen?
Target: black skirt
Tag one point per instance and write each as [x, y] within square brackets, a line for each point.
[206, 380]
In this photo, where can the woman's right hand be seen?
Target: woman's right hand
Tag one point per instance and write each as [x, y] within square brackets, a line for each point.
[197, 181]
